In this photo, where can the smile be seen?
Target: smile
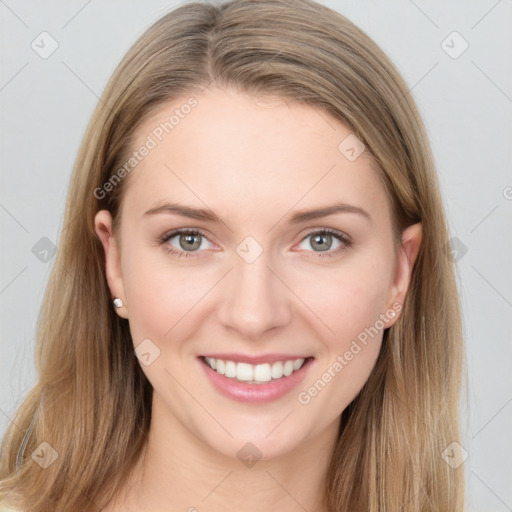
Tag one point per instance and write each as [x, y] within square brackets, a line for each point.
[254, 374]
[261, 381]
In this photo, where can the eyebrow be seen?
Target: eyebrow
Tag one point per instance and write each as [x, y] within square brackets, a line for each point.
[297, 217]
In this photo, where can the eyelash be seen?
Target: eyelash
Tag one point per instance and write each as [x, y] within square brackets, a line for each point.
[344, 239]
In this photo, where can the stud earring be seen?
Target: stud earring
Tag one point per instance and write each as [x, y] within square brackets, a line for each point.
[118, 303]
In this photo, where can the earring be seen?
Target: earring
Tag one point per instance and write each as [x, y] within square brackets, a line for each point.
[118, 303]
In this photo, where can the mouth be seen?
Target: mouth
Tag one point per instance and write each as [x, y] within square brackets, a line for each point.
[262, 381]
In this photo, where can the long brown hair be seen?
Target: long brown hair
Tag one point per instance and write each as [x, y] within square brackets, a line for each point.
[92, 402]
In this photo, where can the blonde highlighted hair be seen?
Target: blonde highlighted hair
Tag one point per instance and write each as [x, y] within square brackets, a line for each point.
[92, 402]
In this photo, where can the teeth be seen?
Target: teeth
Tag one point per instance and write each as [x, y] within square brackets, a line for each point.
[244, 372]
[288, 368]
[277, 370]
[297, 364]
[255, 374]
[230, 369]
[262, 373]
[212, 362]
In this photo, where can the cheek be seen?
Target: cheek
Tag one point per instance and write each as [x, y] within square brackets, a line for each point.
[160, 293]
[352, 302]
[350, 299]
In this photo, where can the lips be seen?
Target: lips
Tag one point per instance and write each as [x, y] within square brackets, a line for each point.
[255, 384]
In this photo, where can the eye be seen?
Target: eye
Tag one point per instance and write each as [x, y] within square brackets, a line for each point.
[185, 242]
[326, 240]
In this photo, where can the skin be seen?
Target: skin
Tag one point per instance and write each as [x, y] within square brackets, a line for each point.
[254, 162]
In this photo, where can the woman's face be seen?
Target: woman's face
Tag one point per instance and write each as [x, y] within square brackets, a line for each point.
[287, 255]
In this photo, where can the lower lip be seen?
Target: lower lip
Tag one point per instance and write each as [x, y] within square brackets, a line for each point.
[260, 393]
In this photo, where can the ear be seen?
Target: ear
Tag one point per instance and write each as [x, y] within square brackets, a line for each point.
[406, 257]
[103, 228]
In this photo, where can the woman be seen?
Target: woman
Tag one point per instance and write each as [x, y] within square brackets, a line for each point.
[251, 289]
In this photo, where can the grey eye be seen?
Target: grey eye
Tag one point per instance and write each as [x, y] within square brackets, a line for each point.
[190, 242]
[321, 241]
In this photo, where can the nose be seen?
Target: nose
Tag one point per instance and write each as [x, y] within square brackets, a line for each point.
[254, 300]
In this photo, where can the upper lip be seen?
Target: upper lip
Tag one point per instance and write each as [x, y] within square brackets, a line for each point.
[255, 359]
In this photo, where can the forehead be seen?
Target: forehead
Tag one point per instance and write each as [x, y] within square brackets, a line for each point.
[244, 155]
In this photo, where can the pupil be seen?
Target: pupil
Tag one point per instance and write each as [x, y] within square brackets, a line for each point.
[190, 242]
[324, 242]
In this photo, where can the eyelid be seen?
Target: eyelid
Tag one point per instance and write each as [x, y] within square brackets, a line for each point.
[173, 232]
[335, 232]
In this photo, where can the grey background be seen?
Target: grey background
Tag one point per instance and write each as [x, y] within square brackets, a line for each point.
[467, 106]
